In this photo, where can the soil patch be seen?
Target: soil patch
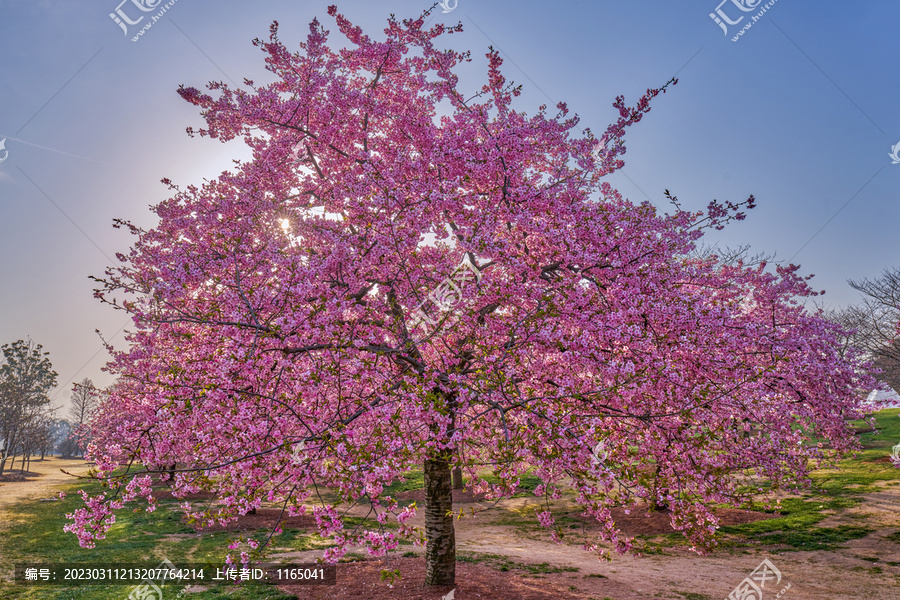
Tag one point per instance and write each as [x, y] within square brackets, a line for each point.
[166, 494]
[42, 480]
[459, 496]
[264, 518]
[362, 581]
[640, 522]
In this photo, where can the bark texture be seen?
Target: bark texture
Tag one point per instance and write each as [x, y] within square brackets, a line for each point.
[440, 546]
[458, 479]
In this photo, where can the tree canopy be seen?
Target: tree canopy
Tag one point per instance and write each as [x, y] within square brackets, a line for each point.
[404, 276]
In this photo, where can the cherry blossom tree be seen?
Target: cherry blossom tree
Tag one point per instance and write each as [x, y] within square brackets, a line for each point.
[404, 276]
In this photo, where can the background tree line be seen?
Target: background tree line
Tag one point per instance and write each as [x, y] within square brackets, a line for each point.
[28, 423]
[874, 323]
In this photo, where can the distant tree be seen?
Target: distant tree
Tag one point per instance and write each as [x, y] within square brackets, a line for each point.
[875, 323]
[43, 438]
[85, 399]
[84, 402]
[64, 443]
[732, 255]
[26, 375]
[37, 438]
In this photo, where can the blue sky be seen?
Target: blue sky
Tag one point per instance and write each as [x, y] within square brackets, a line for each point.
[801, 111]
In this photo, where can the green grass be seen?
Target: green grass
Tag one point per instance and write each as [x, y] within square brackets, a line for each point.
[503, 563]
[894, 537]
[244, 592]
[860, 474]
[835, 491]
[415, 480]
[796, 526]
[814, 538]
[147, 538]
[138, 538]
[527, 483]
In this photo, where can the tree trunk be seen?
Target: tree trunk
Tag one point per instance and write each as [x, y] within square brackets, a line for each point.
[440, 547]
[458, 478]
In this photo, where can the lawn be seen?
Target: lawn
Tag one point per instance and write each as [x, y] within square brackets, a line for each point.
[147, 538]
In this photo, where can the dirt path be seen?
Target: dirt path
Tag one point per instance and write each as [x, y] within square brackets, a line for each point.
[46, 482]
[859, 571]
[837, 575]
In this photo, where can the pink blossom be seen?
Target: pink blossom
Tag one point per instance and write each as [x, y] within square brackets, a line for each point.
[271, 354]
